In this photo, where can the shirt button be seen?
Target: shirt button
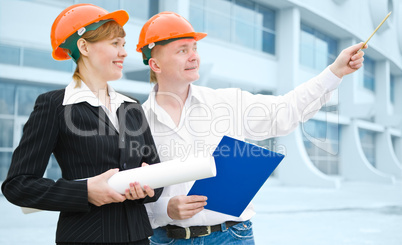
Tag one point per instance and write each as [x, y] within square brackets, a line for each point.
[122, 139]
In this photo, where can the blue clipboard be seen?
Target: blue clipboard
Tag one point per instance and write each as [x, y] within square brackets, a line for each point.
[242, 168]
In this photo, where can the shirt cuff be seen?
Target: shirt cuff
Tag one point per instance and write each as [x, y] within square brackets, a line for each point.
[329, 80]
[159, 212]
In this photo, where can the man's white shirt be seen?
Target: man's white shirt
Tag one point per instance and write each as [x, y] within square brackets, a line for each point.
[210, 114]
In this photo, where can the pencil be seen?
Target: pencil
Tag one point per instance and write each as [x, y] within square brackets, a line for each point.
[378, 27]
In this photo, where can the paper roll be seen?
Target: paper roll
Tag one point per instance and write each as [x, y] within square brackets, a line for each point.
[160, 174]
[165, 173]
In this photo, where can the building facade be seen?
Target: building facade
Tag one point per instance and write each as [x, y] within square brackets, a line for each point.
[262, 46]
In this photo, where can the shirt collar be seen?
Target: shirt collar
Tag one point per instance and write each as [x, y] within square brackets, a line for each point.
[192, 93]
[73, 95]
[152, 106]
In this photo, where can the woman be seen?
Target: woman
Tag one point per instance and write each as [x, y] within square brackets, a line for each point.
[93, 132]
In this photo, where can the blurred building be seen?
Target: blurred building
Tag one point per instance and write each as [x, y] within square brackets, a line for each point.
[263, 46]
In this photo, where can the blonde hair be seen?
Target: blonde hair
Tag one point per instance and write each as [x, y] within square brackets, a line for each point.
[109, 30]
[152, 76]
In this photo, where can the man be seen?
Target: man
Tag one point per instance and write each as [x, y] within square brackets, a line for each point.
[188, 119]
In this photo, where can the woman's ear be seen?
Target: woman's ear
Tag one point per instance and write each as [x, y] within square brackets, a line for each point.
[82, 45]
[153, 64]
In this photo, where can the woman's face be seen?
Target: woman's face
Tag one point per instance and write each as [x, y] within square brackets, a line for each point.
[106, 58]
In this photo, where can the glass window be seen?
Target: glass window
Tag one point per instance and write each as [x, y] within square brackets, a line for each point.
[20, 97]
[143, 9]
[220, 6]
[321, 140]
[367, 140]
[58, 3]
[244, 34]
[5, 160]
[238, 21]
[197, 18]
[317, 50]
[6, 133]
[369, 74]
[7, 98]
[27, 96]
[266, 16]
[43, 59]
[218, 26]
[392, 89]
[53, 170]
[106, 4]
[394, 142]
[9, 54]
[306, 47]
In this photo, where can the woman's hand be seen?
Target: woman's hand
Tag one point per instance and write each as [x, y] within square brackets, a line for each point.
[99, 191]
[136, 192]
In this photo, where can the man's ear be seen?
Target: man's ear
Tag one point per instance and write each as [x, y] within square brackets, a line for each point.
[82, 45]
[153, 64]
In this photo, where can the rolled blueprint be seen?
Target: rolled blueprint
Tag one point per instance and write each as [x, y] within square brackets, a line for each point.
[160, 174]
[165, 173]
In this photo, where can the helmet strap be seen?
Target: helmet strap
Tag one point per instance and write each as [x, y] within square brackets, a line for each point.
[71, 42]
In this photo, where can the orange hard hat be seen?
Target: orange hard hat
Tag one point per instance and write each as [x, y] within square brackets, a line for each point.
[73, 19]
[164, 26]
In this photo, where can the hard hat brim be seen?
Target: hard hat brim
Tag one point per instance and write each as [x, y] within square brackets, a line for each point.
[196, 35]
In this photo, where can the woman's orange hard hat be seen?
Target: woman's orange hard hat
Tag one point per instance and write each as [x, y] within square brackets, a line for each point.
[75, 17]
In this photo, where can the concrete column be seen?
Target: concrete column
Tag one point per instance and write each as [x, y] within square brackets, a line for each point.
[288, 48]
[386, 160]
[354, 164]
[296, 168]
[382, 92]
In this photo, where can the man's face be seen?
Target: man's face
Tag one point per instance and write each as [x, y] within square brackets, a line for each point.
[177, 61]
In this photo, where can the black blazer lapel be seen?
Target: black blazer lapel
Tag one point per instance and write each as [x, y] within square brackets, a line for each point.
[104, 121]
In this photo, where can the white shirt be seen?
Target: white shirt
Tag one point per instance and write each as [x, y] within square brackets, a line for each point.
[77, 95]
[209, 114]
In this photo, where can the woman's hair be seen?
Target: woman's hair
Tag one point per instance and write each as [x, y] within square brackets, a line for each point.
[109, 30]
[152, 76]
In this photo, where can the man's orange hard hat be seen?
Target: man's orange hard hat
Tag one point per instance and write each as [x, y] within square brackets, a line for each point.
[75, 17]
[164, 26]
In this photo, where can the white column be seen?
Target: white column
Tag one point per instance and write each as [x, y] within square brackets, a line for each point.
[386, 160]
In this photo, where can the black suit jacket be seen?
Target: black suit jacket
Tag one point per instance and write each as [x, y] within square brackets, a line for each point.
[85, 144]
